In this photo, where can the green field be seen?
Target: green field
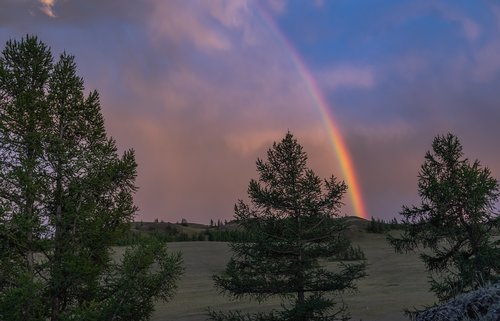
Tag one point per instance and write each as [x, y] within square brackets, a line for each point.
[394, 282]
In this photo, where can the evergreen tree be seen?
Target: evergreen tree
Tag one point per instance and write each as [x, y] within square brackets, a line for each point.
[24, 73]
[66, 196]
[454, 221]
[394, 224]
[293, 222]
[373, 226]
[380, 226]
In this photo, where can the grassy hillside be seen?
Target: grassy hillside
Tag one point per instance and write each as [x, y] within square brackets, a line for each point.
[395, 282]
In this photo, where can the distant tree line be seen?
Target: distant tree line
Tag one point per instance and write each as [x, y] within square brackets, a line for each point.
[218, 224]
[132, 237]
[166, 232]
[381, 226]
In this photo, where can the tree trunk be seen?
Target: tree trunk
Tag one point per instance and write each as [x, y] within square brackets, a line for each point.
[56, 277]
[300, 278]
[29, 194]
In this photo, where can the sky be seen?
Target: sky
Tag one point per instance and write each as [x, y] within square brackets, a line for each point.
[202, 88]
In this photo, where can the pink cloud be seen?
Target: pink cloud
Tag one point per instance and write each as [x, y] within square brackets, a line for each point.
[470, 28]
[277, 6]
[253, 140]
[180, 24]
[196, 129]
[194, 23]
[47, 7]
[345, 76]
[250, 142]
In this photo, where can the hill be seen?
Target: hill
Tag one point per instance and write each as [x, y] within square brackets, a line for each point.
[353, 222]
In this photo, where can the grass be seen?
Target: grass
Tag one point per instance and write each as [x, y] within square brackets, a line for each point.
[395, 282]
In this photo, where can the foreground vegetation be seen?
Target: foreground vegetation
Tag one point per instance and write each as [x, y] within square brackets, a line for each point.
[394, 283]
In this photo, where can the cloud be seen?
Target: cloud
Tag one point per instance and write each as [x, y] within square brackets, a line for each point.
[486, 56]
[47, 7]
[276, 6]
[470, 28]
[200, 89]
[319, 3]
[347, 76]
[207, 24]
[253, 140]
[250, 142]
[199, 122]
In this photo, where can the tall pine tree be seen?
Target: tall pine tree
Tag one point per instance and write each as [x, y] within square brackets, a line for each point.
[454, 222]
[24, 73]
[294, 224]
[65, 196]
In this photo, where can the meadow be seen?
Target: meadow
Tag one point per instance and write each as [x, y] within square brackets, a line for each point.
[394, 282]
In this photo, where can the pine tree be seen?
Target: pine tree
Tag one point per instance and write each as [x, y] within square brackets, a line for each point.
[454, 222]
[293, 222]
[24, 72]
[65, 197]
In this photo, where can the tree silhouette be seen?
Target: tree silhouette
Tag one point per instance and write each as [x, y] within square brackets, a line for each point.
[65, 197]
[454, 221]
[294, 226]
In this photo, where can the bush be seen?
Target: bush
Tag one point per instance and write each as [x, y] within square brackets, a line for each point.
[480, 305]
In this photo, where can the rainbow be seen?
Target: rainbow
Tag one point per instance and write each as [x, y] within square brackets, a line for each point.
[334, 134]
